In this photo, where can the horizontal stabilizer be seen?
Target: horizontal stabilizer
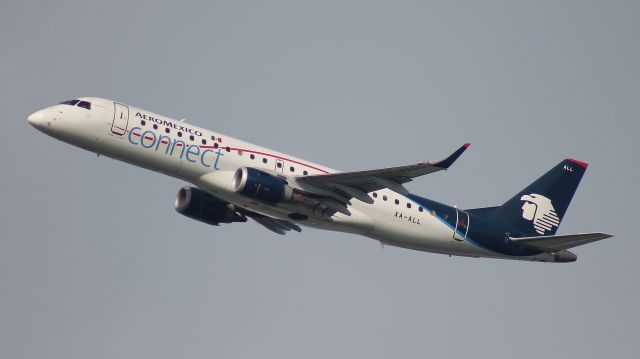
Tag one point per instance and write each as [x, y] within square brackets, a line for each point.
[557, 243]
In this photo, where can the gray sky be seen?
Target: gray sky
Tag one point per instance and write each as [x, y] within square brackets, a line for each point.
[95, 263]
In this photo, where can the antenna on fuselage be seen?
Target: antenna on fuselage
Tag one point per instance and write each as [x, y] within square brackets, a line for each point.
[184, 119]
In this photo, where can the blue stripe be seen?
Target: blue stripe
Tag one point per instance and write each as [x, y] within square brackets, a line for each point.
[486, 235]
[462, 235]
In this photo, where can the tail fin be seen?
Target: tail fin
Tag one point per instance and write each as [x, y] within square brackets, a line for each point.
[538, 209]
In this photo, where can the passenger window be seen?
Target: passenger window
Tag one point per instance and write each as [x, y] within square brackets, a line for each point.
[252, 156]
[291, 169]
[420, 209]
[215, 145]
[143, 122]
[408, 205]
[204, 142]
[155, 127]
[397, 201]
[167, 130]
[305, 173]
[179, 134]
[85, 105]
[375, 195]
[384, 198]
[264, 160]
[228, 149]
[279, 164]
[213, 138]
[191, 137]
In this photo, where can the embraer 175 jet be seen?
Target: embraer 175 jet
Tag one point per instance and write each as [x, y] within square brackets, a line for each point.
[235, 180]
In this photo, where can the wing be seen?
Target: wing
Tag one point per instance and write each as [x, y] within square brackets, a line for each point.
[346, 185]
[556, 243]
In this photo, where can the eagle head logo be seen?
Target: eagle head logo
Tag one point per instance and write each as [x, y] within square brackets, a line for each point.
[538, 208]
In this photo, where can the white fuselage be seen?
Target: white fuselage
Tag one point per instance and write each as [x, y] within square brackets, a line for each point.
[209, 160]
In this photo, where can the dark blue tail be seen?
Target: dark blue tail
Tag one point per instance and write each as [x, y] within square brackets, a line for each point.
[538, 209]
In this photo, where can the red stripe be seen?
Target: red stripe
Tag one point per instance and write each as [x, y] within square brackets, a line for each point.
[120, 128]
[583, 164]
[250, 151]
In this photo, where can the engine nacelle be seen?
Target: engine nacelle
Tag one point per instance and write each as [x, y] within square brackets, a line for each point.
[259, 185]
[201, 206]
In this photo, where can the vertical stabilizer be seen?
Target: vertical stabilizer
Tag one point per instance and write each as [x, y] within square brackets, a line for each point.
[538, 209]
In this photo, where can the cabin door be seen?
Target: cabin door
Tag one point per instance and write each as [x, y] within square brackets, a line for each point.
[120, 119]
[462, 225]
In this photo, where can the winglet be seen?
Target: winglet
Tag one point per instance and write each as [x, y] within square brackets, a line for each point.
[445, 163]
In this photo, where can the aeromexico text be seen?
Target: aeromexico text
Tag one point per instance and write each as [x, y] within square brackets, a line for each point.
[166, 123]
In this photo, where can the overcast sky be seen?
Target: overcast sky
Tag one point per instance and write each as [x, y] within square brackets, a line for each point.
[95, 262]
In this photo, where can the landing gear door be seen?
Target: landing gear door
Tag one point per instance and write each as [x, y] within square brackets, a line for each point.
[120, 119]
[462, 226]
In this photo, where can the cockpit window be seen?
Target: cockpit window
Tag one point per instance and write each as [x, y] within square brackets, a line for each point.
[70, 102]
[85, 104]
[79, 103]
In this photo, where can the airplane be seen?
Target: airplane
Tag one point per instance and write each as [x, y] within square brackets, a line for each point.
[233, 180]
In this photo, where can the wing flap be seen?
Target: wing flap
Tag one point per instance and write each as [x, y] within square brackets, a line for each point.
[279, 226]
[270, 225]
[557, 243]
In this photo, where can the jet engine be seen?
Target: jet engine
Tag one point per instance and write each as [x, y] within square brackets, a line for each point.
[201, 206]
[262, 186]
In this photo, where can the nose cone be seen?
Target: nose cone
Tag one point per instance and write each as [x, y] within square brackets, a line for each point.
[40, 119]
